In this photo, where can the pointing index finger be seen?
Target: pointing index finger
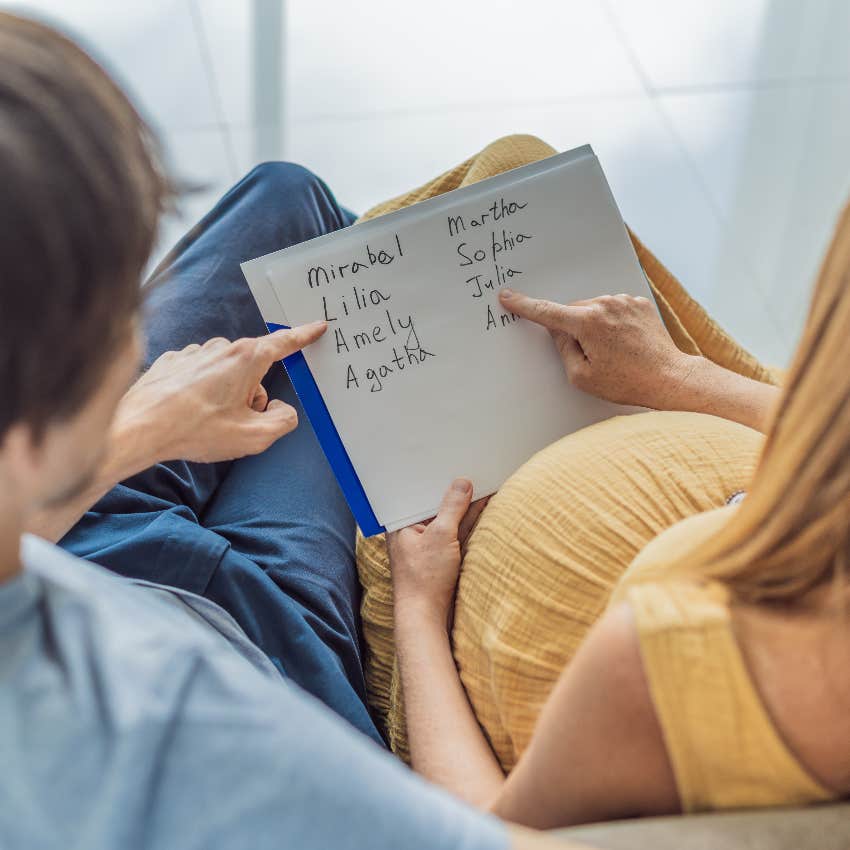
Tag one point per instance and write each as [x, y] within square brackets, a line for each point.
[282, 343]
[556, 317]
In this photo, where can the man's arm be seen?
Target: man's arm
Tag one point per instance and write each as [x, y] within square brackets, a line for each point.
[204, 403]
[616, 347]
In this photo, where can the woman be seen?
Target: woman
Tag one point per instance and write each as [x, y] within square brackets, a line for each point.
[724, 685]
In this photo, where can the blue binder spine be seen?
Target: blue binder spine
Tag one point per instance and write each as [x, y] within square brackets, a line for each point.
[329, 439]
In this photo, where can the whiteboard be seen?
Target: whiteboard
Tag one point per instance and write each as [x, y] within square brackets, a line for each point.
[423, 374]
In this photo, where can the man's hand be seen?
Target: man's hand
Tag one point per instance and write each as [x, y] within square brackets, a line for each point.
[425, 558]
[206, 402]
[614, 347]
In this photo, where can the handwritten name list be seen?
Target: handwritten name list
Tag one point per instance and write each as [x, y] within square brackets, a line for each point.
[359, 307]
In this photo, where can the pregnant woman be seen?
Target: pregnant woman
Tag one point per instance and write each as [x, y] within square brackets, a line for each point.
[718, 676]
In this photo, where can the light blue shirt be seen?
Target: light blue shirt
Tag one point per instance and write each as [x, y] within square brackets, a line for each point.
[137, 716]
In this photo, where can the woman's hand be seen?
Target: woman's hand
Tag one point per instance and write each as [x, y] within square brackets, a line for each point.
[425, 558]
[206, 403]
[614, 347]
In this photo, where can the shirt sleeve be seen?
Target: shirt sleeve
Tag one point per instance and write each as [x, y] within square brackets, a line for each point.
[262, 764]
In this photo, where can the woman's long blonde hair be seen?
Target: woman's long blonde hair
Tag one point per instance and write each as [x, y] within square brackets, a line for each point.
[792, 532]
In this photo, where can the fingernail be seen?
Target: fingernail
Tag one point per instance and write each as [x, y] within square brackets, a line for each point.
[507, 293]
[462, 485]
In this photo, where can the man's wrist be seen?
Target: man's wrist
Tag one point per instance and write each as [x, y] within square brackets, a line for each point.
[134, 443]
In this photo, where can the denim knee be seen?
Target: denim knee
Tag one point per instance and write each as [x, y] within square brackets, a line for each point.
[275, 178]
[303, 202]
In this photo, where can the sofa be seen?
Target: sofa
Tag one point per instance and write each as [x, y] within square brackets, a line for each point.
[813, 828]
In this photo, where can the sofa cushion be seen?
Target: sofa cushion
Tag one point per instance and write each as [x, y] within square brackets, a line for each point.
[815, 828]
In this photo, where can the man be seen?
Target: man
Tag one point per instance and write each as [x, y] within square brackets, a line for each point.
[137, 714]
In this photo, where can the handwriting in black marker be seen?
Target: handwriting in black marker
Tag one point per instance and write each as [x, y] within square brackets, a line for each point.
[369, 258]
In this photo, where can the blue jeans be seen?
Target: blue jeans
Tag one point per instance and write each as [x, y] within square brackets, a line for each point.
[269, 538]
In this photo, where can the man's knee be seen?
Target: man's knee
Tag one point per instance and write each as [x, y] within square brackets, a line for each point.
[284, 179]
[304, 207]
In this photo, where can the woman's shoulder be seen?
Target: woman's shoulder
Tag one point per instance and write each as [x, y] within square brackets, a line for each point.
[680, 604]
[668, 556]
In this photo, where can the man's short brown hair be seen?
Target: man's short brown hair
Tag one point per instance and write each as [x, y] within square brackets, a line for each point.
[81, 191]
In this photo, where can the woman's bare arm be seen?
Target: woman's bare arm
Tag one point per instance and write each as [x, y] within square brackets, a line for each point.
[709, 388]
[616, 347]
[597, 751]
[446, 742]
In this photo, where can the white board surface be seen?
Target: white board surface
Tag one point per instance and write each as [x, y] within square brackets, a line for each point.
[424, 375]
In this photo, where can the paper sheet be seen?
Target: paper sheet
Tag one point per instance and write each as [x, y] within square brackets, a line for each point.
[425, 376]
